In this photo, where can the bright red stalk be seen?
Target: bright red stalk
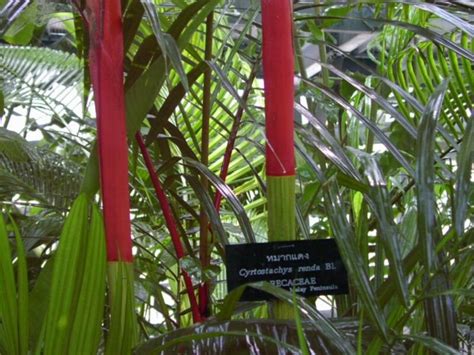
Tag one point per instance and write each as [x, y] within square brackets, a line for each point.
[170, 223]
[278, 64]
[106, 66]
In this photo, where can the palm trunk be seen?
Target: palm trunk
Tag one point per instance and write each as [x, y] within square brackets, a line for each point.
[278, 66]
[106, 66]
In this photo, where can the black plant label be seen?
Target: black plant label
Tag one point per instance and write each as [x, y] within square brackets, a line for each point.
[310, 267]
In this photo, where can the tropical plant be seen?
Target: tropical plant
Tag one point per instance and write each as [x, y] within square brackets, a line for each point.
[384, 137]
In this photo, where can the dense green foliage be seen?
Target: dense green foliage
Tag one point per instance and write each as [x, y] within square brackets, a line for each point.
[384, 138]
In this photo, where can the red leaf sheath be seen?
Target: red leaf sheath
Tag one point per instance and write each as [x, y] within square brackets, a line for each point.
[106, 66]
[278, 65]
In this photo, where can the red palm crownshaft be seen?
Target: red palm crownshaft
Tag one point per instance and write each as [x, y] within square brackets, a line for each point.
[106, 66]
[278, 64]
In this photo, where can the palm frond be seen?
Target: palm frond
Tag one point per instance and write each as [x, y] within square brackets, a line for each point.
[36, 173]
[43, 79]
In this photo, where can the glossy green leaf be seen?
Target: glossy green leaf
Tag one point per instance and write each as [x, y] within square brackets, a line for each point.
[381, 206]
[463, 177]
[209, 209]
[317, 320]
[299, 327]
[217, 336]
[374, 128]
[21, 29]
[168, 45]
[421, 31]
[38, 305]
[66, 279]
[9, 330]
[87, 329]
[440, 314]
[122, 336]
[22, 293]
[425, 178]
[433, 344]
[353, 261]
[173, 100]
[228, 194]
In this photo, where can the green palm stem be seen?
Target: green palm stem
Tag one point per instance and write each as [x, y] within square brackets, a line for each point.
[278, 66]
[281, 224]
[123, 330]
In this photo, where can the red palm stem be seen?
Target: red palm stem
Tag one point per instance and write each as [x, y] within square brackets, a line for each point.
[278, 66]
[104, 19]
[170, 223]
